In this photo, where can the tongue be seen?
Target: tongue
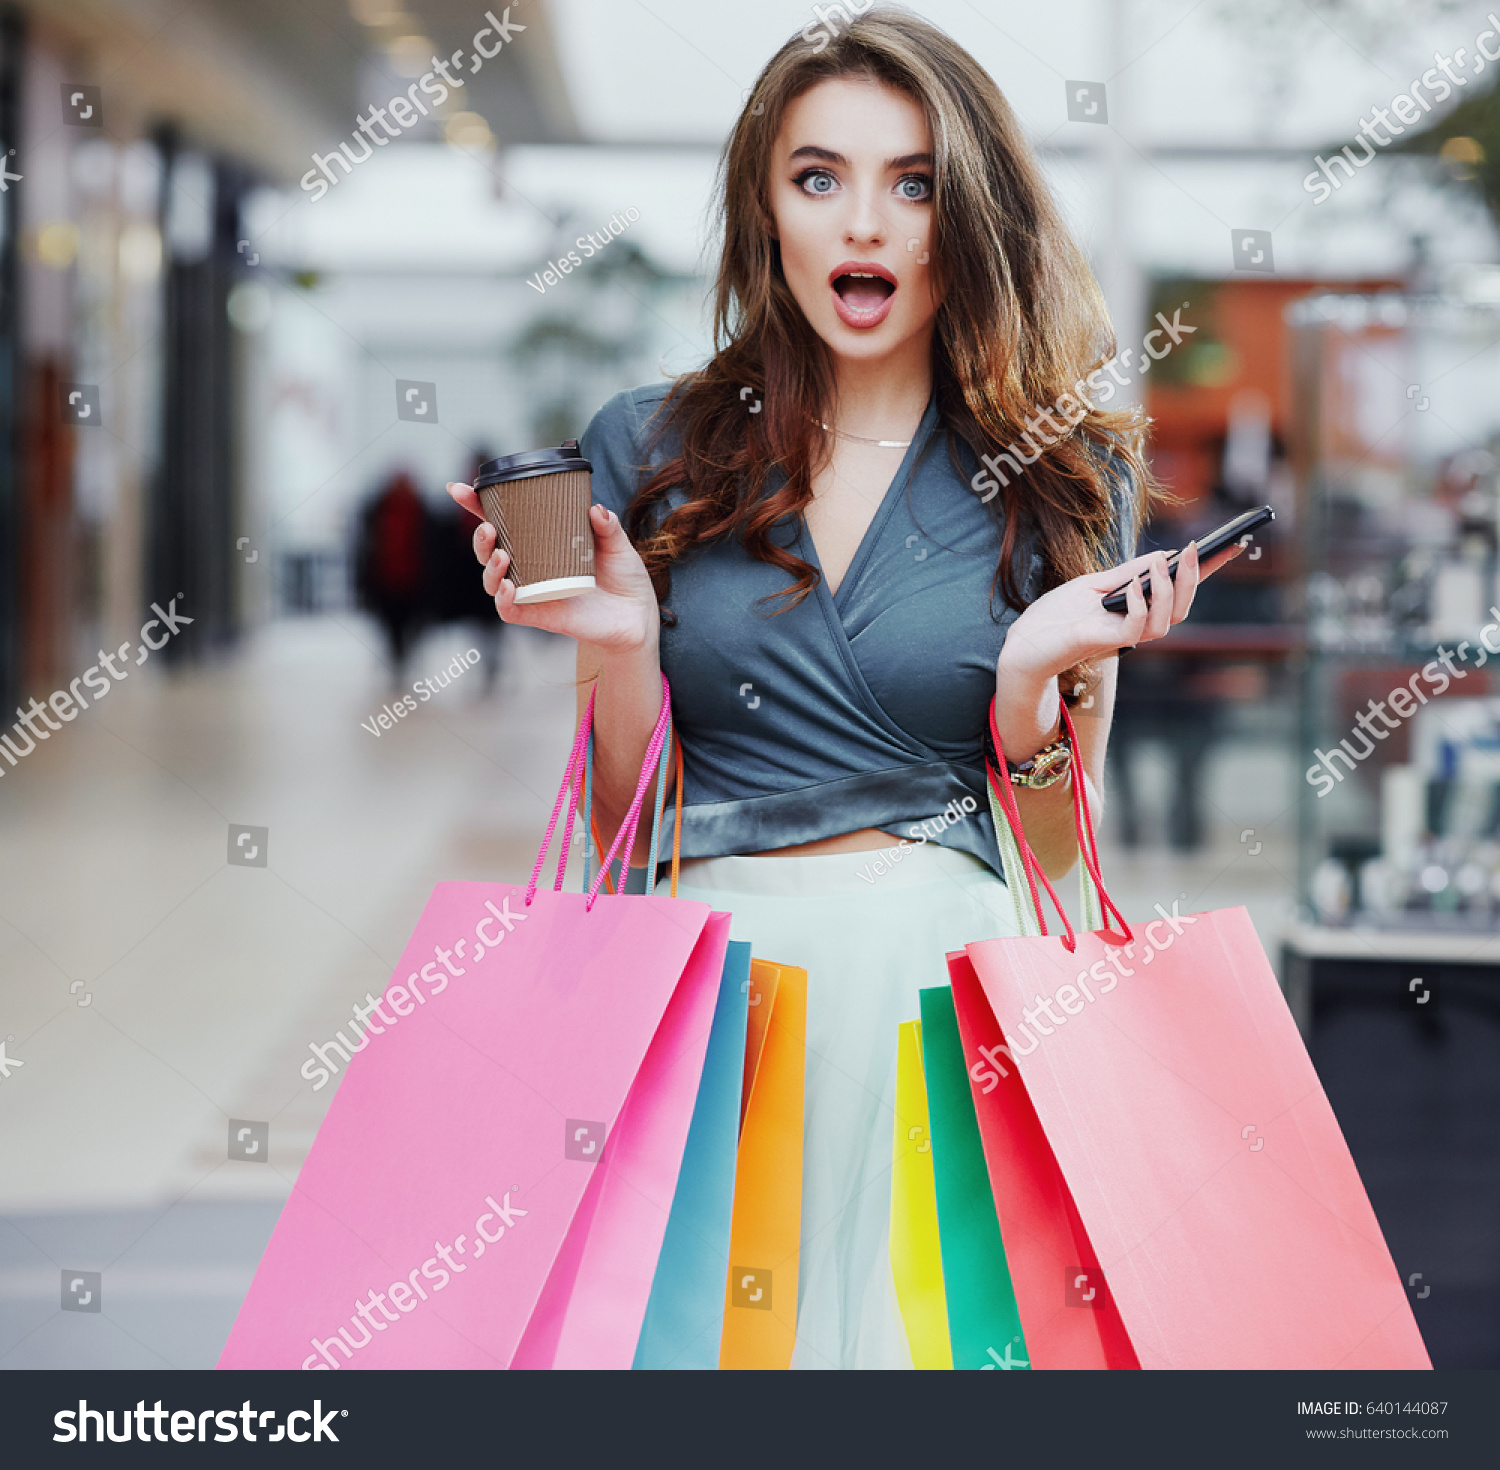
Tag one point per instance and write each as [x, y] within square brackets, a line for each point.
[863, 295]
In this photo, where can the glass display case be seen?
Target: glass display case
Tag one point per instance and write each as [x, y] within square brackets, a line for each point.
[1395, 445]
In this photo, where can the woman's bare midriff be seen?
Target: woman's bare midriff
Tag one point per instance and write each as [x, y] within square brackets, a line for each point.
[863, 841]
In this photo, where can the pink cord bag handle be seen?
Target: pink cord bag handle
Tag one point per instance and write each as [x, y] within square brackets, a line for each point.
[1083, 827]
[572, 790]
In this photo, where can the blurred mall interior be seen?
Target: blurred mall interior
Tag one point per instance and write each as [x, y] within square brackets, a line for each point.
[233, 375]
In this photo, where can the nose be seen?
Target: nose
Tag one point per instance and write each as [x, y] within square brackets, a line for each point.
[864, 224]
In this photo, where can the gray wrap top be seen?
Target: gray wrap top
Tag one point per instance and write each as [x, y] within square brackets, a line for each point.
[860, 708]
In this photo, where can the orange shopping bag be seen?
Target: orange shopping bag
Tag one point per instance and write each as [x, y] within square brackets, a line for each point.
[760, 1310]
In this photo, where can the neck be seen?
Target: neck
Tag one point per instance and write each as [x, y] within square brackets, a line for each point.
[883, 398]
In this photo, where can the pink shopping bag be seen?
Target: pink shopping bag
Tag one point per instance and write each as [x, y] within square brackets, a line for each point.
[1193, 1137]
[493, 1179]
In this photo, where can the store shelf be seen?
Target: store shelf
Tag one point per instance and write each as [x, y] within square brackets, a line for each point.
[1357, 942]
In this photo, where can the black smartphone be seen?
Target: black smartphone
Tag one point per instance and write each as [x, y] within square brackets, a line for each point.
[1210, 545]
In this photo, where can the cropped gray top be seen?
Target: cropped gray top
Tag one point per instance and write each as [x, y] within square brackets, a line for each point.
[860, 708]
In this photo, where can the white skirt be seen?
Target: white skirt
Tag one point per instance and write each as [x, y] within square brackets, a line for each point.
[869, 942]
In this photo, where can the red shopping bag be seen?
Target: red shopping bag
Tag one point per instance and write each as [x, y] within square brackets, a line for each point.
[1171, 1182]
[493, 1179]
[1051, 1258]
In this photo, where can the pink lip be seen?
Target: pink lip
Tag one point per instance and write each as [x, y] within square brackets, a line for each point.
[862, 320]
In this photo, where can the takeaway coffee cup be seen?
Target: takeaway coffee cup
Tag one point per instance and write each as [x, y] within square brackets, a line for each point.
[538, 502]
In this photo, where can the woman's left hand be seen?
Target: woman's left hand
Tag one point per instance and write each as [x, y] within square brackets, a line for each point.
[1069, 625]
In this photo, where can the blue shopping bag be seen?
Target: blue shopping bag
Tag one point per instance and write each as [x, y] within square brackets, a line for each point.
[685, 1313]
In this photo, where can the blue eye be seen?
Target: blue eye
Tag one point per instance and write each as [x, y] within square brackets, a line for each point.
[915, 187]
[816, 181]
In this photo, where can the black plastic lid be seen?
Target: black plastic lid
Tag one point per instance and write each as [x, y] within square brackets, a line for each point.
[530, 463]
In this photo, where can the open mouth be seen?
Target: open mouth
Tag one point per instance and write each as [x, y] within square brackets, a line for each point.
[863, 291]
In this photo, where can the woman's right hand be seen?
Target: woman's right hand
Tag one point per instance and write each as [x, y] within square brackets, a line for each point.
[620, 614]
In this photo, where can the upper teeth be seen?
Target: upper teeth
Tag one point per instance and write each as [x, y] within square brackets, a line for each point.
[862, 275]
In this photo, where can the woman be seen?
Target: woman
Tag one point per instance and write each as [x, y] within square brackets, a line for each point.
[802, 536]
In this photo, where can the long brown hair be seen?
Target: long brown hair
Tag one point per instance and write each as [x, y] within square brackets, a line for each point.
[1022, 321]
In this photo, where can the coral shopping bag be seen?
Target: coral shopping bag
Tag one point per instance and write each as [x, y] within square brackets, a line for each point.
[493, 1179]
[1191, 1146]
[760, 1300]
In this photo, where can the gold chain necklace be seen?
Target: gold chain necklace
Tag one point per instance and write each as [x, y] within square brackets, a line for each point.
[860, 438]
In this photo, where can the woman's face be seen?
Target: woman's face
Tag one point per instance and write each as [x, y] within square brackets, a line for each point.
[851, 196]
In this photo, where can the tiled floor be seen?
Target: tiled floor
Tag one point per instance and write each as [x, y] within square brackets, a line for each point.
[202, 982]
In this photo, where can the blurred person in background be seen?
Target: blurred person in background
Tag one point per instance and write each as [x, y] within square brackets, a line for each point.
[453, 596]
[393, 566]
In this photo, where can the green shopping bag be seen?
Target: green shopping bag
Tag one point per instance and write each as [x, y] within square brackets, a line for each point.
[984, 1326]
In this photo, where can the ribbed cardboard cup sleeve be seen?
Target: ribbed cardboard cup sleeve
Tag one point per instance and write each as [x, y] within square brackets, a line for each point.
[543, 522]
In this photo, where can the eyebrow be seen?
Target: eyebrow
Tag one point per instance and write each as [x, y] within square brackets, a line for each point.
[827, 155]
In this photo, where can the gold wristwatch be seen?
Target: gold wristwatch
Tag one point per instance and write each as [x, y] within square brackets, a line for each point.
[1046, 768]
